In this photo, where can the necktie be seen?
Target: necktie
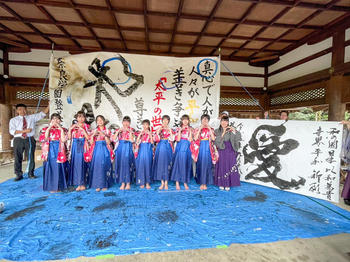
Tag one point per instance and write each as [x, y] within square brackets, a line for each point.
[24, 126]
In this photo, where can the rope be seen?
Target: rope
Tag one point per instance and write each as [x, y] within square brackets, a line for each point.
[244, 88]
[47, 77]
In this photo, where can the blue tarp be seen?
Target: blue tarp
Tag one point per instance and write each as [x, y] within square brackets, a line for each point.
[37, 225]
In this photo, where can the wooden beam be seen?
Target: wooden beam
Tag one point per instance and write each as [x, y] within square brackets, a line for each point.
[51, 18]
[303, 80]
[299, 104]
[302, 61]
[302, 4]
[145, 18]
[178, 14]
[86, 24]
[137, 29]
[243, 18]
[298, 89]
[207, 22]
[116, 24]
[20, 18]
[239, 89]
[8, 41]
[140, 12]
[339, 24]
[5, 59]
[262, 29]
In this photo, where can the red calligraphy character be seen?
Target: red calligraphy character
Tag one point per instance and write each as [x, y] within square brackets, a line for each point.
[159, 96]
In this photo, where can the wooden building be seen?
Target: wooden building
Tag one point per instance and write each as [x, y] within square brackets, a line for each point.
[288, 53]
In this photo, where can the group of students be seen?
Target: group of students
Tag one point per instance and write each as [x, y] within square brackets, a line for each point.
[99, 158]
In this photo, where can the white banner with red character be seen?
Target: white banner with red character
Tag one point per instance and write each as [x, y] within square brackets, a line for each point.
[140, 86]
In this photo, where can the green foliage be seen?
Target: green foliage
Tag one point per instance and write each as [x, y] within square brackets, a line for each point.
[308, 114]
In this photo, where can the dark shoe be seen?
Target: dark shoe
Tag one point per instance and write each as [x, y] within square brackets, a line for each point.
[18, 178]
[347, 201]
[32, 176]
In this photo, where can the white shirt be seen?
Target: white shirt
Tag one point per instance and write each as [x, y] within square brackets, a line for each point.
[16, 123]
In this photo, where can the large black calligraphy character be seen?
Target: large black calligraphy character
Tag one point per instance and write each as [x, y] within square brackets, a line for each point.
[265, 146]
[100, 72]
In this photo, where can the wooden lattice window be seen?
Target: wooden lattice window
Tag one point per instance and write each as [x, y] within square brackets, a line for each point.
[299, 97]
[31, 95]
[237, 101]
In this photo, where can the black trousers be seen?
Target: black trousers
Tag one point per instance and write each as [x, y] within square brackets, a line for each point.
[26, 145]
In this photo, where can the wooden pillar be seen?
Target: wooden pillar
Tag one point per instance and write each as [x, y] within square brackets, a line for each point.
[334, 89]
[5, 116]
[264, 99]
[5, 108]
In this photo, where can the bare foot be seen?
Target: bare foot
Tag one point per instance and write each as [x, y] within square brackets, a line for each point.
[161, 186]
[127, 186]
[166, 186]
[122, 187]
[98, 189]
[148, 186]
[78, 188]
[142, 186]
[82, 188]
[201, 187]
[178, 186]
[205, 187]
[53, 192]
[186, 186]
[104, 189]
[221, 188]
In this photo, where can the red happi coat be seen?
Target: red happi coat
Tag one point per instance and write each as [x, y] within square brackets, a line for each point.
[195, 145]
[145, 138]
[107, 133]
[165, 134]
[123, 135]
[78, 133]
[54, 134]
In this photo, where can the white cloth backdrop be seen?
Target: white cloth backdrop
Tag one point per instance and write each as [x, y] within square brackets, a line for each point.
[297, 156]
[140, 86]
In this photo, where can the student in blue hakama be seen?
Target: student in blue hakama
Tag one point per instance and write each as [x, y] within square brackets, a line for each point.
[78, 135]
[53, 140]
[164, 153]
[100, 171]
[124, 156]
[144, 157]
[182, 164]
[204, 153]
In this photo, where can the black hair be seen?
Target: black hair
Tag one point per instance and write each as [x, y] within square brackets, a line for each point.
[284, 111]
[21, 105]
[205, 116]
[56, 115]
[185, 117]
[127, 118]
[224, 118]
[82, 113]
[166, 117]
[102, 117]
[146, 121]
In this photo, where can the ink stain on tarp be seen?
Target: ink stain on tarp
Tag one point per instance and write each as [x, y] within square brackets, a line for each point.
[79, 208]
[167, 216]
[102, 242]
[24, 212]
[259, 197]
[78, 198]
[39, 200]
[305, 213]
[59, 250]
[111, 205]
[108, 194]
